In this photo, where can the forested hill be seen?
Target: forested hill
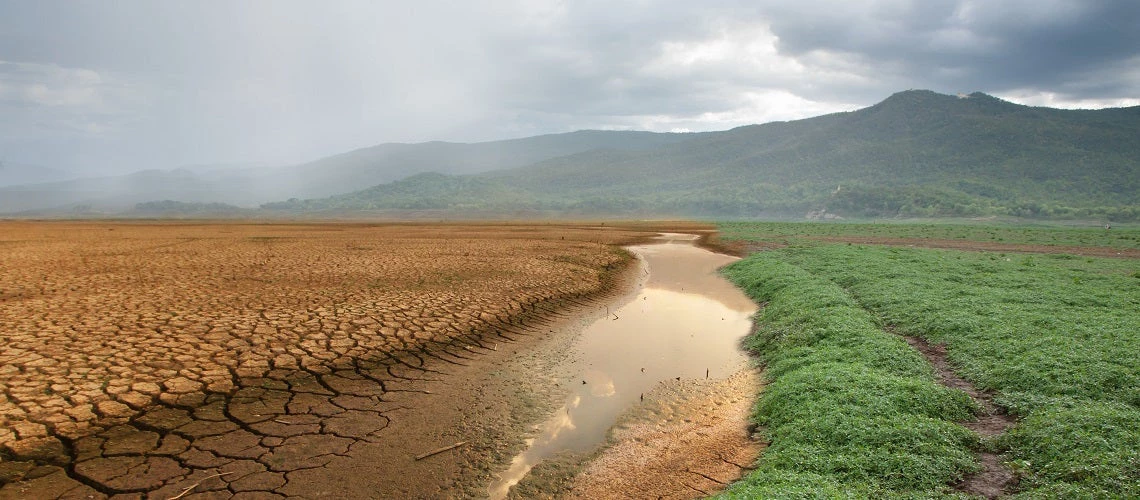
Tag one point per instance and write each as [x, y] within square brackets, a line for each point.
[917, 153]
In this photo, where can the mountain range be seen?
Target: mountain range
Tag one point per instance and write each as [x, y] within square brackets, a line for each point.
[250, 186]
[917, 153]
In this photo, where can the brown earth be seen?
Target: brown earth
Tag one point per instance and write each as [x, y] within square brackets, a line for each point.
[994, 479]
[245, 360]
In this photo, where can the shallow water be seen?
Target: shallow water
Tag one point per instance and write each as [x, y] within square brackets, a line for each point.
[686, 322]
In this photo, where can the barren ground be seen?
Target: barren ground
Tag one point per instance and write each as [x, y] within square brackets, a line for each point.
[245, 360]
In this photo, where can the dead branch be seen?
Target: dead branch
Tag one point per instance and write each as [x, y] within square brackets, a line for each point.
[440, 450]
[197, 484]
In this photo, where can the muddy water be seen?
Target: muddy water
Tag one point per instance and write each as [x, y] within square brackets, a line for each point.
[685, 322]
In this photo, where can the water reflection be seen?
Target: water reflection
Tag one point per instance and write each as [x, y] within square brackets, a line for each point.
[685, 323]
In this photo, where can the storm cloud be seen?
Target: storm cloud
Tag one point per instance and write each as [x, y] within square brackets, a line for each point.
[118, 86]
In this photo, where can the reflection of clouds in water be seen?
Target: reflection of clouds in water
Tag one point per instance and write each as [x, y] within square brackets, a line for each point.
[601, 384]
[549, 431]
[561, 421]
[686, 322]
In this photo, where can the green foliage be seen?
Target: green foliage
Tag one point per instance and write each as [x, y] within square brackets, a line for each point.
[1057, 337]
[849, 410]
[986, 232]
[419, 192]
[1012, 323]
[1089, 449]
[782, 483]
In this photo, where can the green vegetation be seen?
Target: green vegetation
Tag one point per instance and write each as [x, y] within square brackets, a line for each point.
[1056, 337]
[1118, 237]
[849, 410]
[419, 192]
[916, 154]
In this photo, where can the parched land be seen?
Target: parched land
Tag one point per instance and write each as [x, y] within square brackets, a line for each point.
[186, 358]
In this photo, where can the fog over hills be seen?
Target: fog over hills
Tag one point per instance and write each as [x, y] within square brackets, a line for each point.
[917, 153]
[249, 187]
[12, 174]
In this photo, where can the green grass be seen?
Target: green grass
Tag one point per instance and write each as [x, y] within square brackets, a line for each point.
[1052, 235]
[1056, 337]
[849, 410]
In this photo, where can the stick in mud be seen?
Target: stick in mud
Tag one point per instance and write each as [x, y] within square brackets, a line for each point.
[440, 450]
[197, 484]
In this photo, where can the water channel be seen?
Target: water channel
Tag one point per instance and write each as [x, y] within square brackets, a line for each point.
[685, 322]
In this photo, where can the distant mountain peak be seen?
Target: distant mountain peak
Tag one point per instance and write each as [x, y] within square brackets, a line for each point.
[920, 96]
[904, 105]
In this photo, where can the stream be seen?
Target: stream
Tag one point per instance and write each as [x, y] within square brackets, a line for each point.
[685, 322]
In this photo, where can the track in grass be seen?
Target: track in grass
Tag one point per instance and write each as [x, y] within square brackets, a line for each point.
[1053, 337]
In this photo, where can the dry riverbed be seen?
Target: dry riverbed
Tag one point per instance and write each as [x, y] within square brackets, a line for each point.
[235, 360]
[660, 381]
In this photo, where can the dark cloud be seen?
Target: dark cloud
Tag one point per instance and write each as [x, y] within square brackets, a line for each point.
[1078, 48]
[139, 84]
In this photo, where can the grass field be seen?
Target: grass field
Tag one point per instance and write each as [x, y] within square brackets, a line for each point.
[853, 411]
[1127, 237]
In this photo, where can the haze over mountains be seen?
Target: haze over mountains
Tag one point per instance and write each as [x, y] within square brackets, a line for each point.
[917, 153]
[13, 174]
[249, 187]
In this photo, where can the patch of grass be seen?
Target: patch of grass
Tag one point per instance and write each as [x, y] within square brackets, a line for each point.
[1078, 449]
[1050, 235]
[849, 410]
[1058, 339]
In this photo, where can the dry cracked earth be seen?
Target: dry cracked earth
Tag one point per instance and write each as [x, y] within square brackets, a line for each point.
[237, 360]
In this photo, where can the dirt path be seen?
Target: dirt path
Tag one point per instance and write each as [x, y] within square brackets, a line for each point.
[994, 479]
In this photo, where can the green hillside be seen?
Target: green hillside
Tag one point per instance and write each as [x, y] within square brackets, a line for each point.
[391, 162]
[421, 192]
[918, 153]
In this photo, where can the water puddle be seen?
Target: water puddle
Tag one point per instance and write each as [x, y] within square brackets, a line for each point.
[686, 322]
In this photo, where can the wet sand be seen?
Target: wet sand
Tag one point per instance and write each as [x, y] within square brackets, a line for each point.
[681, 332]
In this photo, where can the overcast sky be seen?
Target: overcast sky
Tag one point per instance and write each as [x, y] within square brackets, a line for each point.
[109, 85]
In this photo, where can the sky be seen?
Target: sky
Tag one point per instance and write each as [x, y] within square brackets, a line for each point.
[116, 86]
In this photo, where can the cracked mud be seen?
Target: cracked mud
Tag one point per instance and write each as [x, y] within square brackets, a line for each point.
[235, 360]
